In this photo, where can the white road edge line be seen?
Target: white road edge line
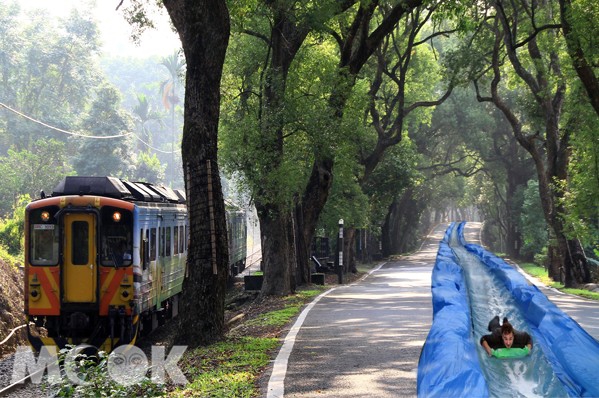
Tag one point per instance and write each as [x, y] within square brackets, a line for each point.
[276, 383]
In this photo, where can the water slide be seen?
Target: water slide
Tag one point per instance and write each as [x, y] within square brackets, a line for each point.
[470, 286]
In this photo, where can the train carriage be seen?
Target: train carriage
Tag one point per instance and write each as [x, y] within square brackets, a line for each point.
[104, 260]
[237, 237]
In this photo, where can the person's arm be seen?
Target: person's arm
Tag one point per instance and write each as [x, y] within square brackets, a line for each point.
[526, 340]
[486, 346]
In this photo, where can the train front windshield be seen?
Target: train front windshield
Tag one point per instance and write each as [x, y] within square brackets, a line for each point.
[44, 237]
[116, 234]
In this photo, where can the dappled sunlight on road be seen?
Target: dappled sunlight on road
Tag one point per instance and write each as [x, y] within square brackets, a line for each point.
[365, 339]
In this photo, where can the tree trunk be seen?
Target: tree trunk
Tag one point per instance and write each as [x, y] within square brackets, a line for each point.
[303, 249]
[349, 250]
[278, 262]
[400, 230]
[203, 28]
[308, 211]
[279, 258]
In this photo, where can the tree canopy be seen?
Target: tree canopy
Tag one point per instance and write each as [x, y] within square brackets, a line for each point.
[389, 114]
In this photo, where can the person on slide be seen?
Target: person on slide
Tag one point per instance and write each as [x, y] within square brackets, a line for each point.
[504, 336]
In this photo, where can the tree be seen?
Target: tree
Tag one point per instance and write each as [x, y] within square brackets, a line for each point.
[582, 198]
[276, 120]
[287, 235]
[579, 23]
[401, 97]
[168, 89]
[203, 28]
[47, 73]
[532, 220]
[548, 146]
[144, 114]
[110, 156]
[12, 229]
[148, 168]
[28, 172]
[370, 22]
[483, 132]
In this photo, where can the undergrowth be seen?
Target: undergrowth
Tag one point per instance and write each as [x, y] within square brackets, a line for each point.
[541, 274]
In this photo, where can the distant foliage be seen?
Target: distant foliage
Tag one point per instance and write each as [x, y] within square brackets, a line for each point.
[148, 169]
[100, 157]
[51, 78]
[30, 171]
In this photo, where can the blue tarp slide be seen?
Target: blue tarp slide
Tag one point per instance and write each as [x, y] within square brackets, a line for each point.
[571, 351]
[450, 364]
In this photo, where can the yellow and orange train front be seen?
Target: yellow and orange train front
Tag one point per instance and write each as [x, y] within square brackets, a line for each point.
[69, 289]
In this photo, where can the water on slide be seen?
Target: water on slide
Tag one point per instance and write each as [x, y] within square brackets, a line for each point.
[531, 376]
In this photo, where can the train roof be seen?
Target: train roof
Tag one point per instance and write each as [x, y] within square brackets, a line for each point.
[115, 188]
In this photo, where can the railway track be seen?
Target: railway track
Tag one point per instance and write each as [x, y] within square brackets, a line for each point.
[21, 388]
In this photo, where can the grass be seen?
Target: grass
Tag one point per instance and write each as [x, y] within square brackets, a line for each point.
[581, 292]
[227, 368]
[293, 305]
[275, 318]
[538, 272]
[541, 274]
[231, 368]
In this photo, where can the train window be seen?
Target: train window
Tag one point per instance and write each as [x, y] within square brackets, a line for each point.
[80, 243]
[44, 244]
[176, 240]
[161, 243]
[186, 238]
[167, 242]
[181, 238]
[141, 240]
[116, 236]
[153, 244]
[44, 234]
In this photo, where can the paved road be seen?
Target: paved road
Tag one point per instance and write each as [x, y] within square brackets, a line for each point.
[364, 340]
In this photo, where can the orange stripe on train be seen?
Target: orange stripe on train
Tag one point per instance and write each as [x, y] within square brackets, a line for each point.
[110, 287]
[50, 290]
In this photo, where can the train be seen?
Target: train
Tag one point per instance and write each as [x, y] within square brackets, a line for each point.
[105, 260]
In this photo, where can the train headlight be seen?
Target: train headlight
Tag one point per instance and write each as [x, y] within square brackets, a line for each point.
[116, 216]
[35, 293]
[45, 216]
[125, 292]
[125, 295]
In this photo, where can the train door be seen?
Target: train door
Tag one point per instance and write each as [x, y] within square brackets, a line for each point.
[80, 268]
